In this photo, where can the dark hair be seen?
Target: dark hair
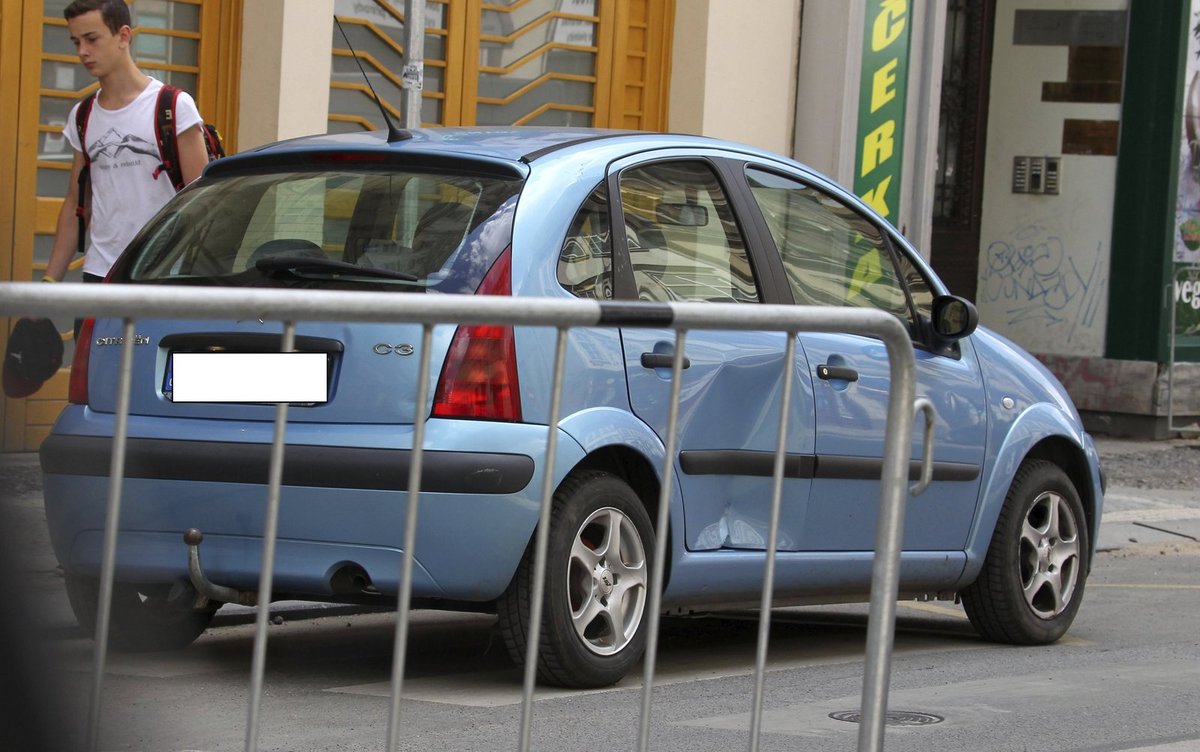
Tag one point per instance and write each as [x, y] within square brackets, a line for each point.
[114, 12]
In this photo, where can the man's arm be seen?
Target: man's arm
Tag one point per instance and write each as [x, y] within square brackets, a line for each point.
[192, 154]
[66, 234]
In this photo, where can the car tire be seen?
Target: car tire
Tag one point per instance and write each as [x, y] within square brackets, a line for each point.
[142, 618]
[1034, 573]
[597, 585]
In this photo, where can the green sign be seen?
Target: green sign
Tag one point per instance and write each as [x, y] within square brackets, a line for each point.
[1186, 294]
[881, 103]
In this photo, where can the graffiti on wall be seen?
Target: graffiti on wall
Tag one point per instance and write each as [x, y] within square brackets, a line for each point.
[1035, 283]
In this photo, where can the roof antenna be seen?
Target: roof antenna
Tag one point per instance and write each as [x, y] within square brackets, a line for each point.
[394, 133]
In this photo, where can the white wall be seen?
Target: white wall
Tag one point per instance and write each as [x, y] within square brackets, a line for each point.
[733, 67]
[919, 178]
[827, 85]
[827, 82]
[286, 64]
[1044, 260]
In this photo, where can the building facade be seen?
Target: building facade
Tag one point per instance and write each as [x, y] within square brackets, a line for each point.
[1003, 136]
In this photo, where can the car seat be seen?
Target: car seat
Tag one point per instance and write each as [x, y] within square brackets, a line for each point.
[285, 247]
[439, 232]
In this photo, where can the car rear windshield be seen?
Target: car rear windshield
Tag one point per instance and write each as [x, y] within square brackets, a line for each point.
[405, 231]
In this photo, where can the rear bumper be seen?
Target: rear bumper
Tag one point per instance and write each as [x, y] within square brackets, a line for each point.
[309, 466]
[339, 506]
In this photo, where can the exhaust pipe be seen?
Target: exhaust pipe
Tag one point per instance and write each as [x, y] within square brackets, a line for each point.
[207, 589]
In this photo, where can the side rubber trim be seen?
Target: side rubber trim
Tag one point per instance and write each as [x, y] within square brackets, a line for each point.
[744, 462]
[312, 466]
[759, 463]
[863, 468]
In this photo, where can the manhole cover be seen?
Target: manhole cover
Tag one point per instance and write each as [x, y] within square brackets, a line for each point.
[892, 718]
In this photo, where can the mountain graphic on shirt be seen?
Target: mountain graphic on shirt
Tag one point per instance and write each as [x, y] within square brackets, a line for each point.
[114, 144]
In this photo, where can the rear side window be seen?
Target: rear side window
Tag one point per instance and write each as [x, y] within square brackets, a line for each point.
[396, 230]
[833, 256]
[585, 260]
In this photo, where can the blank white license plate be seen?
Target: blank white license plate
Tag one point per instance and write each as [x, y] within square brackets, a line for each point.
[248, 377]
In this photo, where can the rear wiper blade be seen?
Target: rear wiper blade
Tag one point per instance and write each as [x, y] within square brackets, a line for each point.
[298, 264]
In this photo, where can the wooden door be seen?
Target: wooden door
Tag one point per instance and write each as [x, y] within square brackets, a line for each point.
[602, 63]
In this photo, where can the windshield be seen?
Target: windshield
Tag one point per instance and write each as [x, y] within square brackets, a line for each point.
[407, 231]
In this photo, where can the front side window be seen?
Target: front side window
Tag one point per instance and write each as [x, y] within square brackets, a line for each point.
[833, 256]
[918, 286]
[378, 229]
[684, 243]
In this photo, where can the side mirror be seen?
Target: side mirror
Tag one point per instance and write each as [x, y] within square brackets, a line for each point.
[953, 317]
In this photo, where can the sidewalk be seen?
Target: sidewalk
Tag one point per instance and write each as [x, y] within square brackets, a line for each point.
[1153, 494]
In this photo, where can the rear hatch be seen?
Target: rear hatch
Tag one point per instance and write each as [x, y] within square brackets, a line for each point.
[371, 369]
[378, 226]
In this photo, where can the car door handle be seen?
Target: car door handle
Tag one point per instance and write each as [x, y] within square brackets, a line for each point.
[830, 373]
[661, 360]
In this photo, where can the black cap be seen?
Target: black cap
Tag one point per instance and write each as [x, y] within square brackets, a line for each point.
[35, 353]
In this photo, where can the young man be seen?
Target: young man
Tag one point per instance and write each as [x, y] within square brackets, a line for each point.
[126, 186]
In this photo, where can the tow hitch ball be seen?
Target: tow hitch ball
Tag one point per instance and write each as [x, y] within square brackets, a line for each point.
[207, 590]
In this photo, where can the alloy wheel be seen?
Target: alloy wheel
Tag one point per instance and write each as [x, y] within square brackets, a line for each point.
[606, 581]
[1049, 555]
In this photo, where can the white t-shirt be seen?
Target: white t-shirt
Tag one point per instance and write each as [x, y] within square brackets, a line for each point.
[124, 154]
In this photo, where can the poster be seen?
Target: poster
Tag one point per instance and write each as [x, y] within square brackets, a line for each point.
[1185, 285]
[1187, 206]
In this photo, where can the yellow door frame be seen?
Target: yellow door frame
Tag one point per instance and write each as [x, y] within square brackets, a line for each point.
[10, 101]
[10, 70]
[219, 81]
[640, 84]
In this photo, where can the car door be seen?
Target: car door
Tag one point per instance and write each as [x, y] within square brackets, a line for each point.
[832, 253]
[681, 241]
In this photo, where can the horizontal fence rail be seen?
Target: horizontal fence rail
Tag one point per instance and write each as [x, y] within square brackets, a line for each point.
[136, 302]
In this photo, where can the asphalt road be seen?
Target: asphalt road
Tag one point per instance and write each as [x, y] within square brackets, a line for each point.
[1127, 676]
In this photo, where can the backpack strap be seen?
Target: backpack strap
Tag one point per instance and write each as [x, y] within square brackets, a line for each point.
[82, 113]
[167, 138]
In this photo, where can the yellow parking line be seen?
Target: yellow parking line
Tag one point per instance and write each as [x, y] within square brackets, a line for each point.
[933, 608]
[1146, 586]
[1072, 640]
[958, 613]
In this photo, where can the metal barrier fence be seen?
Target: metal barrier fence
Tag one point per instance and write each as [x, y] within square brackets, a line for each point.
[130, 303]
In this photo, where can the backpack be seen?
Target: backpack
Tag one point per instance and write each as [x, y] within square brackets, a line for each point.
[164, 135]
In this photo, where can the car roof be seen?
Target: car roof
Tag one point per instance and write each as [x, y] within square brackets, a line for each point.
[512, 144]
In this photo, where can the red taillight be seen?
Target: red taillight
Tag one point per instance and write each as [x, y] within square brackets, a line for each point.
[77, 393]
[479, 377]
